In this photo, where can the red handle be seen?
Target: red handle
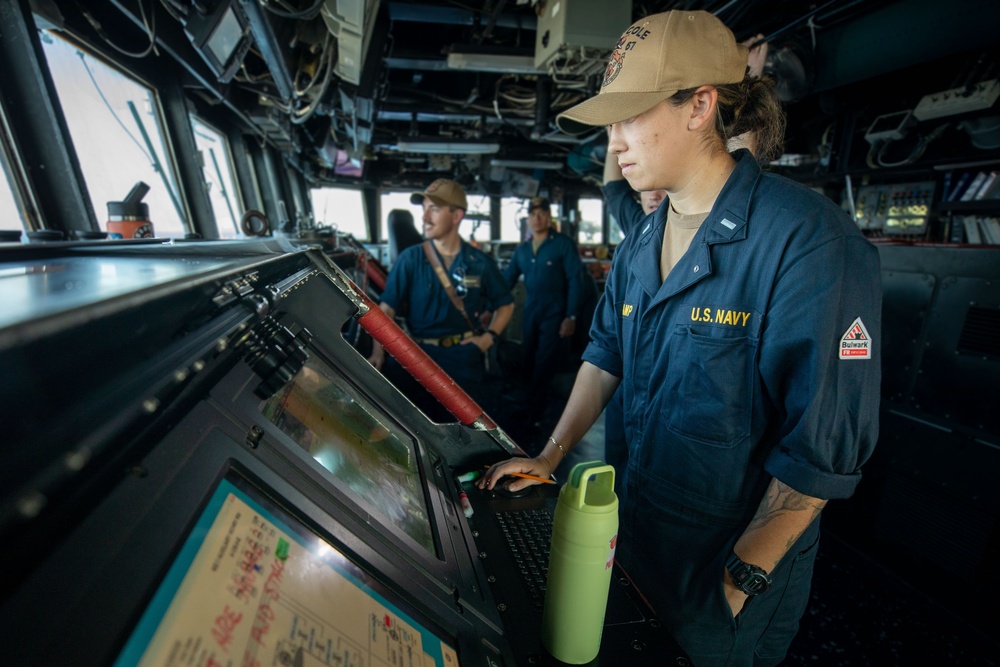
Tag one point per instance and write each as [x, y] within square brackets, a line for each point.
[425, 370]
[372, 270]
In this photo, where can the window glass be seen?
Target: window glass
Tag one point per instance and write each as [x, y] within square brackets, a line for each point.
[615, 235]
[216, 170]
[514, 219]
[10, 213]
[513, 216]
[557, 217]
[342, 208]
[114, 122]
[475, 226]
[591, 213]
[393, 200]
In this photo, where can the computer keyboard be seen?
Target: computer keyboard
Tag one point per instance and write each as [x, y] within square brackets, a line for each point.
[528, 534]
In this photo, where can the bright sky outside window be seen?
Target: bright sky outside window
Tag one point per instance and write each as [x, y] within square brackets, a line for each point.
[218, 176]
[591, 211]
[10, 214]
[473, 228]
[393, 200]
[512, 210]
[114, 123]
[341, 208]
[615, 235]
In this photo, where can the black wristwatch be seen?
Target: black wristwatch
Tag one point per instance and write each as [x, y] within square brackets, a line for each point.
[493, 334]
[750, 579]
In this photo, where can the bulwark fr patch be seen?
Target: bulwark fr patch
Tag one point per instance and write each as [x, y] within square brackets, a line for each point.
[855, 343]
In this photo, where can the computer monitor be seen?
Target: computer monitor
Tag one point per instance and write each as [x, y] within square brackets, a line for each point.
[252, 585]
[372, 459]
[221, 37]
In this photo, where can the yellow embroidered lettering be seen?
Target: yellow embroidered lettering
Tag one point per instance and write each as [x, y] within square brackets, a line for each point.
[721, 316]
[627, 309]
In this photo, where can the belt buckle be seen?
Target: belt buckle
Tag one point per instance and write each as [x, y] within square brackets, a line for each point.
[446, 341]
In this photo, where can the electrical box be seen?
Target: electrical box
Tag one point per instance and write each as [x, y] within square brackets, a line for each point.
[900, 209]
[568, 25]
[351, 22]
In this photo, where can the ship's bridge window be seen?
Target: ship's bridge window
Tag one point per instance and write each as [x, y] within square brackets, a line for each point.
[10, 212]
[591, 214]
[615, 235]
[475, 226]
[513, 213]
[114, 122]
[514, 219]
[217, 172]
[342, 208]
[389, 201]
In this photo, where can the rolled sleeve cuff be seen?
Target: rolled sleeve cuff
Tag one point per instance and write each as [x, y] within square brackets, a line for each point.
[502, 301]
[808, 479]
[603, 359]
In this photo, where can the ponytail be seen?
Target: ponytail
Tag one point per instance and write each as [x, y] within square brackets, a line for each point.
[749, 115]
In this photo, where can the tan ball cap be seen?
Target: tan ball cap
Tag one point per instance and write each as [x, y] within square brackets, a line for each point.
[443, 192]
[656, 57]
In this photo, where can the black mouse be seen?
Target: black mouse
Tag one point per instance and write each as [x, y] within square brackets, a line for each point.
[502, 488]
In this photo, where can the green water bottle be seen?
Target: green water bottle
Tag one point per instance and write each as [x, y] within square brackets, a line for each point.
[584, 537]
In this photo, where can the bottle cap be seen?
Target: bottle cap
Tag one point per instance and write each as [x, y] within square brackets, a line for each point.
[591, 487]
[132, 207]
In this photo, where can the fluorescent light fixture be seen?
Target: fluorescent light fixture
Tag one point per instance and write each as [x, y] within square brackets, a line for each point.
[446, 147]
[492, 62]
[526, 164]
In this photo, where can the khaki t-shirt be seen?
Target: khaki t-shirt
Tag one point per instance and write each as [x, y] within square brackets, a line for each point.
[677, 236]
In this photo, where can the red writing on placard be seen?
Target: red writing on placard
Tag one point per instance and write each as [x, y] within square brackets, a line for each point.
[244, 582]
[273, 583]
[224, 625]
[265, 614]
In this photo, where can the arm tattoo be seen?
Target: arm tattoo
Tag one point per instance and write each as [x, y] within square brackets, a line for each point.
[781, 499]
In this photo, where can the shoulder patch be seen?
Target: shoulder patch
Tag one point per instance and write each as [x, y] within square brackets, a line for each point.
[855, 343]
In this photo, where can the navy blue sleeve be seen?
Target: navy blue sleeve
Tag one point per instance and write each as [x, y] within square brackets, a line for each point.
[604, 350]
[513, 270]
[399, 280]
[820, 355]
[573, 267]
[619, 198]
[495, 290]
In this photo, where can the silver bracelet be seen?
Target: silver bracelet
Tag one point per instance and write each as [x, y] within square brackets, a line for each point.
[561, 448]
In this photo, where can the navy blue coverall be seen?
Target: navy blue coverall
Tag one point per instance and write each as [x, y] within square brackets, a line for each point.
[757, 357]
[620, 201]
[553, 282]
[430, 315]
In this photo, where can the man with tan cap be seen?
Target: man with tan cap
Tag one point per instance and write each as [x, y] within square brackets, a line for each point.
[448, 330]
[742, 322]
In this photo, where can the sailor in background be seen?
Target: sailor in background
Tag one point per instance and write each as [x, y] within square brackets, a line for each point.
[441, 287]
[553, 283]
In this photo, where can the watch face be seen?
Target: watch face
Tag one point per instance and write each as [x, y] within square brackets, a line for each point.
[750, 579]
[755, 583]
